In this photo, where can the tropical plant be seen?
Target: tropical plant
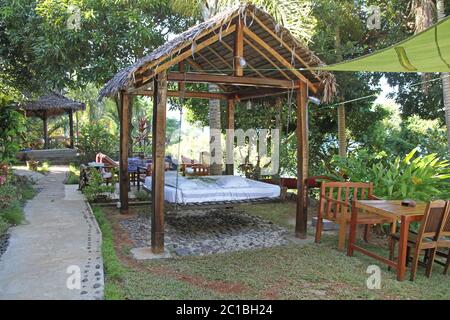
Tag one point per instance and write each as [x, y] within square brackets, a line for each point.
[11, 127]
[96, 186]
[94, 138]
[416, 177]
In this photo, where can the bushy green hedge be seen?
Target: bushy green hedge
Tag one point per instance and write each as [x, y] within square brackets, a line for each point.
[417, 177]
[13, 194]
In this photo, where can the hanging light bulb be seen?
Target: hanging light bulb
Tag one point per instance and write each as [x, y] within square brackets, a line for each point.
[242, 62]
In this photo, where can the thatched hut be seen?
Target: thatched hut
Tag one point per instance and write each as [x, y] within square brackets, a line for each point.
[248, 55]
[52, 105]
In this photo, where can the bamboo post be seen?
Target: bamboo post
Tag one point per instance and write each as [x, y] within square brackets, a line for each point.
[123, 161]
[229, 167]
[302, 161]
[158, 154]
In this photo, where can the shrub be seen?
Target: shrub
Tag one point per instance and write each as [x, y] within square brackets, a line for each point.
[73, 176]
[13, 214]
[417, 177]
[95, 138]
[96, 186]
[3, 226]
[141, 195]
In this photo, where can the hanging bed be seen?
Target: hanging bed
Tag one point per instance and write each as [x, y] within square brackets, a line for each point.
[214, 191]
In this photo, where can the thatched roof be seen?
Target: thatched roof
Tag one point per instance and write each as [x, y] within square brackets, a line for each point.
[217, 57]
[52, 104]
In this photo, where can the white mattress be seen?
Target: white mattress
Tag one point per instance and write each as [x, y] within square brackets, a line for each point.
[211, 191]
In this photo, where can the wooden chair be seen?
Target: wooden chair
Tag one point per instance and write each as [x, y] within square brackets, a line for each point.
[434, 222]
[335, 205]
[444, 242]
[147, 171]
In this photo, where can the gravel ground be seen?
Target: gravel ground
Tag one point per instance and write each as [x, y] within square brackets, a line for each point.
[194, 232]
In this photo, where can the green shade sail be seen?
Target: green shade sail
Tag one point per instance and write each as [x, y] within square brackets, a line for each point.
[428, 51]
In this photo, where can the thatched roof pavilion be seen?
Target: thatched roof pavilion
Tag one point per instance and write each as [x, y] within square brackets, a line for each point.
[248, 56]
[51, 105]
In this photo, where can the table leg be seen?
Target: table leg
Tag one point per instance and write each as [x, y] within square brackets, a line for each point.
[352, 236]
[402, 248]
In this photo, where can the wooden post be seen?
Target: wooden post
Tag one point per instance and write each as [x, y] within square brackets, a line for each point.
[44, 118]
[302, 161]
[229, 166]
[238, 48]
[123, 161]
[158, 154]
[72, 142]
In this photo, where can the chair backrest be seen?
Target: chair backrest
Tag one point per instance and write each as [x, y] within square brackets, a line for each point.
[103, 158]
[187, 160]
[337, 196]
[434, 220]
[446, 227]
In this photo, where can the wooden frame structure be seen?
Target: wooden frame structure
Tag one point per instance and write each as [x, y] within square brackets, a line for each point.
[248, 56]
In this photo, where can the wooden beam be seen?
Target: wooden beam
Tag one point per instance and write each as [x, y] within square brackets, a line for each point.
[123, 151]
[262, 54]
[187, 94]
[302, 161]
[158, 154]
[269, 31]
[238, 51]
[278, 57]
[212, 65]
[230, 80]
[229, 165]
[257, 93]
[248, 64]
[71, 134]
[45, 120]
[181, 84]
[141, 80]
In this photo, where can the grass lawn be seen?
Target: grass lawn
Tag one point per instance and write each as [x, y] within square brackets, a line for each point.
[313, 271]
[73, 175]
[13, 196]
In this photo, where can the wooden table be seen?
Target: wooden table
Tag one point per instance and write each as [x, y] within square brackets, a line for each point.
[391, 209]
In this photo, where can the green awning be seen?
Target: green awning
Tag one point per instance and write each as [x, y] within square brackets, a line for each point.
[428, 51]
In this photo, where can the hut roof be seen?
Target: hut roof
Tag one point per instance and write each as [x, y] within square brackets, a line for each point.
[51, 104]
[217, 56]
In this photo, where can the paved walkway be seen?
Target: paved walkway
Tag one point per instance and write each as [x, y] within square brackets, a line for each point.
[56, 253]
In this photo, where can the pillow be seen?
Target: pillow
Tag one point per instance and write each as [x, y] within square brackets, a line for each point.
[232, 182]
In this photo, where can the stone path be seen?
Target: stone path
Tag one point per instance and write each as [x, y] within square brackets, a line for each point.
[57, 248]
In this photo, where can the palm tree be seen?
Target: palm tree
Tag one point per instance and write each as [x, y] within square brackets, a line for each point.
[445, 78]
[293, 14]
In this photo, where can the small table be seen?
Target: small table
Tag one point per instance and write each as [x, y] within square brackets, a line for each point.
[391, 209]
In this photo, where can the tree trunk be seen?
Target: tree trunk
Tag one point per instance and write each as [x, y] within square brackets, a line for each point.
[445, 79]
[341, 131]
[215, 141]
[341, 109]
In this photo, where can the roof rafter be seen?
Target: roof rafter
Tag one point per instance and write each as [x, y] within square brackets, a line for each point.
[280, 58]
